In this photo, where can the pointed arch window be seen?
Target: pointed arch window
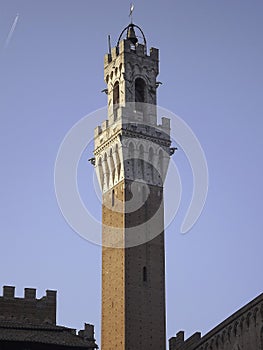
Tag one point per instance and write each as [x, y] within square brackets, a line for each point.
[100, 172]
[118, 162]
[131, 159]
[141, 162]
[150, 165]
[116, 97]
[106, 170]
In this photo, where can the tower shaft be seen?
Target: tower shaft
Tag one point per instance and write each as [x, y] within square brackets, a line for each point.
[133, 283]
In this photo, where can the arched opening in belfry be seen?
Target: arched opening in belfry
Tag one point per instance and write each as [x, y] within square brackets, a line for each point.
[116, 98]
[131, 158]
[140, 95]
[106, 171]
[118, 163]
[100, 173]
[111, 167]
[141, 162]
[150, 164]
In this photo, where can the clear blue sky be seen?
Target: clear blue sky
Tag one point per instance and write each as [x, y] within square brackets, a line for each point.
[51, 75]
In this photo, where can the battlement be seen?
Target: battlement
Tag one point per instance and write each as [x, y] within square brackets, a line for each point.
[28, 309]
[128, 118]
[87, 333]
[179, 343]
[126, 47]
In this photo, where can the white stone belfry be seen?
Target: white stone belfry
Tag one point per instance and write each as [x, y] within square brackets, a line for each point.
[130, 144]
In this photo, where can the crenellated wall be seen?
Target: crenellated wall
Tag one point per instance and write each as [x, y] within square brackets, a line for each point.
[30, 323]
[28, 309]
[241, 331]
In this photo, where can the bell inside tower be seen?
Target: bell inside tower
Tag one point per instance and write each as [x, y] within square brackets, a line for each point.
[131, 35]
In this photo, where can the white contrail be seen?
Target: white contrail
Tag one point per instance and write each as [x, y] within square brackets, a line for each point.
[10, 34]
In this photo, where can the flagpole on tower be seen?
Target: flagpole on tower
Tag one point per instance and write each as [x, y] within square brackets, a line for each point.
[131, 11]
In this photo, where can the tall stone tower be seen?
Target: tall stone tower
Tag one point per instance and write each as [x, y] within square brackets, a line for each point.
[131, 158]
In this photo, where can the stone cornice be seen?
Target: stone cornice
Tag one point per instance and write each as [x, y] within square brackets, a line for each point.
[132, 134]
[158, 140]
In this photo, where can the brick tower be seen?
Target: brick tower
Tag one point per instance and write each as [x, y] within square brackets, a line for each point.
[131, 159]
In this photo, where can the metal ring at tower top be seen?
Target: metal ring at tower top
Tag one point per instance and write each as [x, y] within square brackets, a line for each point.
[132, 25]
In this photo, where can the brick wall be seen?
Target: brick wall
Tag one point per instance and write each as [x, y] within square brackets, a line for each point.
[28, 309]
[133, 278]
[241, 331]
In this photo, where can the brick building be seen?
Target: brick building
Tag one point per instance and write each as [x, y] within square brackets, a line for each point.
[241, 331]
[30, 324]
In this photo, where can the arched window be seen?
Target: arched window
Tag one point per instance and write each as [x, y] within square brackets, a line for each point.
[111, 166]
[139, 93]
[100, 172]
[141, 161]
[116, 93]
[118, 162]
[150, 165]
[131, 158]
[116, 97]
[106, 170]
